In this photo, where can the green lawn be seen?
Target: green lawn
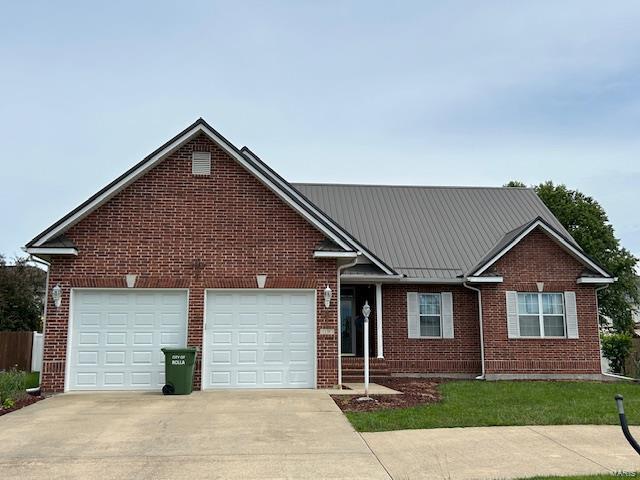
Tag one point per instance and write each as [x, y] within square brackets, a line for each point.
[477, 403]
[33, 379]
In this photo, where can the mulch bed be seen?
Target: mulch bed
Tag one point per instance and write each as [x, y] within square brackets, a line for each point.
[415, 391]
[23, 402]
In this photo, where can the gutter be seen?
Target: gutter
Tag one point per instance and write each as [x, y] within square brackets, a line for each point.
[339, 329]
[482, 374]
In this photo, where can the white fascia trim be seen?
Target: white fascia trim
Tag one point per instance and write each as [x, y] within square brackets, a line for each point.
[485, 279]
[279, 189]
[557, 237]
[596, 280]
[51, 251]
[324, 254]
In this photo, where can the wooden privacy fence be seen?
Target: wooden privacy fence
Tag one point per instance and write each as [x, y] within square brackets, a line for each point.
[16, 350]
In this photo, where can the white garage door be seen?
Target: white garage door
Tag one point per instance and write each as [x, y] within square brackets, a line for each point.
[260, 339]
[116, 337]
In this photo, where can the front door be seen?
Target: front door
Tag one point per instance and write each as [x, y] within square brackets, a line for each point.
[347, 321]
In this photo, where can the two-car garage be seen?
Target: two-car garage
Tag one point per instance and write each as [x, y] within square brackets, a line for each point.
[252, 338]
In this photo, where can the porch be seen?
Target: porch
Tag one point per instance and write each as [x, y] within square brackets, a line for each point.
[352, 299]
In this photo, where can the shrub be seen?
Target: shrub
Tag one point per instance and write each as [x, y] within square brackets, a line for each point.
[12, 387]
[616, 347]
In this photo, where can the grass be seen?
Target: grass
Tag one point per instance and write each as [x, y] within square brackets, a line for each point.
[477, 404]
[32, 380]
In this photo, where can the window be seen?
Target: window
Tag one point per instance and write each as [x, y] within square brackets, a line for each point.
[430, 315]
[541, 314]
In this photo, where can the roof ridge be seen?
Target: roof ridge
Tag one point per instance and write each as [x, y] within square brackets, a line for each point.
[469, 187]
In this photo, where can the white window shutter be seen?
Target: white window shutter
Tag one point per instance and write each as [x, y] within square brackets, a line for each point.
[447, 314]
[513, 327]
[571, 313]
[413, 315]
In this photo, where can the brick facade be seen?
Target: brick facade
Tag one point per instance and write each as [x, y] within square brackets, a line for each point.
[537, 258]
[402, 354]
[177, 230]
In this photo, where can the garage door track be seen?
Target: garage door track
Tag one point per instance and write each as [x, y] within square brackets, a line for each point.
[223, 434]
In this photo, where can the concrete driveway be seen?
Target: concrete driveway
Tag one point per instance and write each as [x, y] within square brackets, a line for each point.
[226, 434]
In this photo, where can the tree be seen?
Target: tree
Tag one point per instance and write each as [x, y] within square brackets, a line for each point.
[22, 292]
[588, 224]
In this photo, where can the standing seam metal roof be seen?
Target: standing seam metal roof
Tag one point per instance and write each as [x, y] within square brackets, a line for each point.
[429, 232]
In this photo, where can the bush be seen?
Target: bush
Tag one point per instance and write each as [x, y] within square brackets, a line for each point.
[12, 387]
[615, 348]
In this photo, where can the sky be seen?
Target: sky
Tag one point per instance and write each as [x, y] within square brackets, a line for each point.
[425, 92]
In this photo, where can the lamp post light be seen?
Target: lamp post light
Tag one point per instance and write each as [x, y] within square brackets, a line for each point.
[366, 311]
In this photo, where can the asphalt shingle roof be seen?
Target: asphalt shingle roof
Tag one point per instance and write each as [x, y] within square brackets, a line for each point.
[429, 232]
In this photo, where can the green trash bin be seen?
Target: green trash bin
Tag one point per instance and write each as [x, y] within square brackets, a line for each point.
[179, 364]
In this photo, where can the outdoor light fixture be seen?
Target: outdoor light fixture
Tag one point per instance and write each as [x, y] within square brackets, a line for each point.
[56, 294]
[327, 297]
[366, 310]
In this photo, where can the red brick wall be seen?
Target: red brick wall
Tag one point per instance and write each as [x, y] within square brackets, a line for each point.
[174, 229]
[402, 354]
[537, 258]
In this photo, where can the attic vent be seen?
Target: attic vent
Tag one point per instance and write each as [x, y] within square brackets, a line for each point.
[201, 163]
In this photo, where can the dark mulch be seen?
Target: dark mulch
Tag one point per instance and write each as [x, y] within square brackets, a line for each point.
[415, 391]
[23, 402]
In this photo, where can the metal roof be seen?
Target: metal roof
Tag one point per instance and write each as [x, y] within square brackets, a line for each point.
[430, 232]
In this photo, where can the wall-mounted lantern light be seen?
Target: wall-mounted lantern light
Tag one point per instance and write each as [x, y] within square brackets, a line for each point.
[327, 297]
[56, 294]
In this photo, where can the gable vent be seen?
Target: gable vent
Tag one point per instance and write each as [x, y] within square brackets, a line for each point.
[201, 163]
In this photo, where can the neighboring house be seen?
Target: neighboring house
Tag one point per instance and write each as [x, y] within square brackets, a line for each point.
[461, 281]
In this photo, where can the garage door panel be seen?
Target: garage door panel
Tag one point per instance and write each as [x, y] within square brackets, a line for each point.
[260, 339]
[89, 319]
[116, 338]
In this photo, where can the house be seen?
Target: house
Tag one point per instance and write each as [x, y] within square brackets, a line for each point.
[203, 244]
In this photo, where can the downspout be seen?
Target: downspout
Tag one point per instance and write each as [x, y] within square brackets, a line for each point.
[466, 285]
[339, 329]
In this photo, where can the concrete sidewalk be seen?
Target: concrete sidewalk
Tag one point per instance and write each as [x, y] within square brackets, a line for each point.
[504, 452]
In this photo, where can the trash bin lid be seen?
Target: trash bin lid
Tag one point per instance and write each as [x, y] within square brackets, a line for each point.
[180, 350]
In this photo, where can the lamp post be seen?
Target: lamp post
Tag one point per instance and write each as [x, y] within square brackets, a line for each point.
[366, 311]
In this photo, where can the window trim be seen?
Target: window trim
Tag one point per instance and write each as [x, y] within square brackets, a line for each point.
[541, 315]
[420, 315]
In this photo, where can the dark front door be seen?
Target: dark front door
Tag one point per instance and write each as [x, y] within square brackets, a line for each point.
[347, 323]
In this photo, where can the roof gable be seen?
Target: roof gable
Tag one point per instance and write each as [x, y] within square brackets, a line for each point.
[244, 157]
[514, 237]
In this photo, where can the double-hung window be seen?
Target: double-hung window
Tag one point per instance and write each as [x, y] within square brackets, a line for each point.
[541, 314]
[430, 315]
